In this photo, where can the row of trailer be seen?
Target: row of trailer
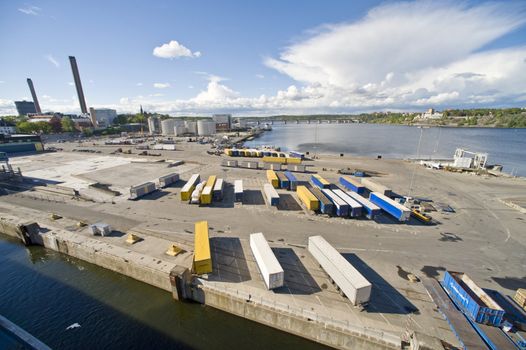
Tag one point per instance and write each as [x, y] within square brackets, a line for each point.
[284, 180]
[203, 192]
[266, 155]
[145, 188]
[266, 165]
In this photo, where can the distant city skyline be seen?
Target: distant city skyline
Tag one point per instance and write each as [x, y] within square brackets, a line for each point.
[264, 58]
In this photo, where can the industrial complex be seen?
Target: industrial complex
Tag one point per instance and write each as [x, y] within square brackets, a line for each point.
[345, 258]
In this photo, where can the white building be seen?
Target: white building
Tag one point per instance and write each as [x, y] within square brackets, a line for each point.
[7, 128]
[102, 117]
[429, 115]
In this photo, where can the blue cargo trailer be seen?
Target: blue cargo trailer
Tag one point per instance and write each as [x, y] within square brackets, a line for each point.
[355, 208]
[341, 208]
[283, 181]
[370, 210]
[293, 182]
[319, 181]
[235, 153]
[326, 206]
[471, 299]
[352, 184]
[391, 207]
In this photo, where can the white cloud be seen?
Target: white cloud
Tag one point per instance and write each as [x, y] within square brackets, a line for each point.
[161, 85]
[260, 76]
[31, 10]
[70, 83]
[174, 50]
[52, 60]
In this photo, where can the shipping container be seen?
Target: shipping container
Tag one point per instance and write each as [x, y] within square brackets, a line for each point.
[293, 182]
[341, 208]
[306, 196]
[228, 151]
[355, 208]
[142, 190]
[248, 165]
[296, 168]
[273, 178]
[202, 257]
[272, 166]
[274, 159]
[294, 154]
[196, 194]
[167, 180]
[395, 209]
[376, 187]
[271, 195]
[235, 153]
[326, 206]
[471, 299]
[229, 163]
[238, 190]
[349, 280]
[319, 181]
[370, 210]
[293, 160]
[217, 193]
[268, 265]
[352, 184]
[189, 187]
[283, 181]
[206, 195]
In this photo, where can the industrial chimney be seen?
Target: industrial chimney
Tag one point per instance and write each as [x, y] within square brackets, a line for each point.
[34, 95]
[78, 84]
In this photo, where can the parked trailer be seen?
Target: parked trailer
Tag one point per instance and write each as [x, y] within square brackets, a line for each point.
[376, 187]
[293, 182]
[273, 178]
[370, 210]
[229, 163]
[196, 194]
[306, 196]
[268, 265]
[217, 193]
[249, 165]
[326, 206]
[272, 166]
[206, 195]
[319, 181]
[352, 184]
[276, 159]
[355, 208]
[471, 299]
[341, 208]
[395, 209]
[142, 190]
[298, 168]
[349, 280]
[238, 190]
[271, 194]
[283, 181]
[188, 188]
[202, 257]
[167, 180]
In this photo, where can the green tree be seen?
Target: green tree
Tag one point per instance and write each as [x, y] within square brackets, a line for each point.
[67, 124]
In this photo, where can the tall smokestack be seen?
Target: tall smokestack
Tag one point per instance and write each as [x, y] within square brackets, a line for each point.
[34, 94]
[78, 84]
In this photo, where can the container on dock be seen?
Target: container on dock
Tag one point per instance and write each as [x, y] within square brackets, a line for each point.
[206, 195]
[319, 181]
[352, 184]
[471, 299]
[238, 190]
[188, 188]
[293, 182]
[229, 163]
[376, 187]
[326, 206]
[309, 199]
[370, 210]
[299, 168]
[275, 159]
[195, 198]
[272, 166]
[249, 165]
[235, 153]
[293, 160]
[283, 181]
[167, 180]
[271, 195]
[228, 151]
[341, 208]
[273, 178]
[217, 193]
[142, 190]
[202, 257]
[395, 209]
[349, 280]
[268, 265]
[355, 208]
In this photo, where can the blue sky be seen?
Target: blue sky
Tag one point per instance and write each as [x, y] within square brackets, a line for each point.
[266, 57]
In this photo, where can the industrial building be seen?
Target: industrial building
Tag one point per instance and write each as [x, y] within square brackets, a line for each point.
[6, 128]
[25, 107]
[102, 117]
[223, 121]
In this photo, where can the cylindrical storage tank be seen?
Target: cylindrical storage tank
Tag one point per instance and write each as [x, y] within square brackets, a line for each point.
[167, 126]
[206, 127]
[191, 127]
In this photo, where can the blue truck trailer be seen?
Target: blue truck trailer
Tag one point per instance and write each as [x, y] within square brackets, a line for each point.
[326, 206]
[355, 208]
[341, 208]
[293, 182]
[319, 181]
[370, 210]
[472, 300]
[352, 184]
[283, 181]
[391, 207]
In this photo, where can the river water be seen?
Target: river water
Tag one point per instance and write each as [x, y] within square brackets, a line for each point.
[44, 292]
[504, 146]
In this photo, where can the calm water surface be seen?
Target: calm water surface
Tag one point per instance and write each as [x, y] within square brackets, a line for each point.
[44, 292]
[504, 146]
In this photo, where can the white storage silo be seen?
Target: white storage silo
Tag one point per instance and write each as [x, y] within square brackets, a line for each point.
[167, 126]
[206, 127]
[191, 127]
